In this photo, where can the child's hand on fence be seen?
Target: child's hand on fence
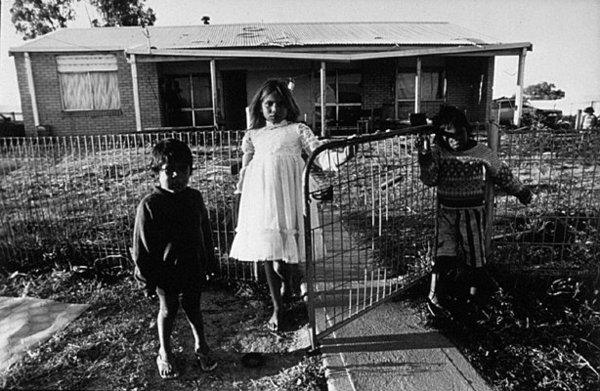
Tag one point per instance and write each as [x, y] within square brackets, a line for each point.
[525, 196]
[422, 144]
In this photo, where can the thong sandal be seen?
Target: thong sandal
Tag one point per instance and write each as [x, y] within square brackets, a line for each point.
[165, 369]
[435, 309]
[206, 362]
[273, 327]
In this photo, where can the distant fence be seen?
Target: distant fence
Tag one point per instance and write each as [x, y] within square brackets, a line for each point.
[561, 228]
[74, 198]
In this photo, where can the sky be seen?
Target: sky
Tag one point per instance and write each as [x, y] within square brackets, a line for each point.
[565, 34]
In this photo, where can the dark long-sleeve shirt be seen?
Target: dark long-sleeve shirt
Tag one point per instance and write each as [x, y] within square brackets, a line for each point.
[172, 240]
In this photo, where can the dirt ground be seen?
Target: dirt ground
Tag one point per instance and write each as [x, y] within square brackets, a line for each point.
[113, 345]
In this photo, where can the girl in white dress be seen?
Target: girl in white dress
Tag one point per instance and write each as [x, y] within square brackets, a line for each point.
[270, 224]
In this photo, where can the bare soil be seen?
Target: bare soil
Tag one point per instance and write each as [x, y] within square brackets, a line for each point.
[113, 345]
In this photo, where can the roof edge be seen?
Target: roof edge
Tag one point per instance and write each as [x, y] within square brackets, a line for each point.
[211, 53]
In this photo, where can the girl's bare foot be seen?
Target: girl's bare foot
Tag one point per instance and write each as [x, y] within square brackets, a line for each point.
[165, 368]
[274, 322]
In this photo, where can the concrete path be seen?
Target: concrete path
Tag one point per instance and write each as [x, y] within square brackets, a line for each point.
[389, 349]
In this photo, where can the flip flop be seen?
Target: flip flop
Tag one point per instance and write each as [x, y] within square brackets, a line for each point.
[435, 309]
[272, 326]
[165, 369]
[206, 362]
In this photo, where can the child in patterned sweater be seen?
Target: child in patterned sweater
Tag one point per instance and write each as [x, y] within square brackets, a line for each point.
[459, 166]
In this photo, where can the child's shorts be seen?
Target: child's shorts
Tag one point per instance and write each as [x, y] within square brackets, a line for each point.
[461, 233]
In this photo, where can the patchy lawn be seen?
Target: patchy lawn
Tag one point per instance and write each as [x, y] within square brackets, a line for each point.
[538, 332]
[113, 345]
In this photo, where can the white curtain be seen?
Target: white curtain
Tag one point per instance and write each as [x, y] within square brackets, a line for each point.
[90, 91]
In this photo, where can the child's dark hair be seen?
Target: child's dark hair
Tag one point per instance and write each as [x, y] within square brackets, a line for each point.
[452, 115]
[279, 86]
[170, 151]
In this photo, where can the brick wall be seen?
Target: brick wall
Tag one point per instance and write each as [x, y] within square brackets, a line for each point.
[378, 84]
[149, 91]
[49, 102]
[464, 76]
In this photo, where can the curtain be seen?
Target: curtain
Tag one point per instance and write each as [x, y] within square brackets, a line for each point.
[105, 89]
[431, 86]
[76, 91]
[90, 91]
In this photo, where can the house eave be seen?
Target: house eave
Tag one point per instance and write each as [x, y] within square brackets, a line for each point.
[158, 55]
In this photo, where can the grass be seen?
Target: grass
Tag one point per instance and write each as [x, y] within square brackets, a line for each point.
[112, 345]
[536, 332]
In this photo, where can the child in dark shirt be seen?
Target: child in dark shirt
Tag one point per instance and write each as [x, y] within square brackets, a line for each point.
[173, 250]
[457, 165]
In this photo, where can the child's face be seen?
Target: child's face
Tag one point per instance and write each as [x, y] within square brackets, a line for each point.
[174, 177]
[273, 109]
[455, 138]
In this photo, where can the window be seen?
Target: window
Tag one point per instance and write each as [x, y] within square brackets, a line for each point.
[343, 99]
[432, 89]
[89, 82]
[188, 100]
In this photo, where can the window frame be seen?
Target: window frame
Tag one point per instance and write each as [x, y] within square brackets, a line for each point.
[406, 102]
[337, 105]
[192, 109]
[441, 82]
[86, 65]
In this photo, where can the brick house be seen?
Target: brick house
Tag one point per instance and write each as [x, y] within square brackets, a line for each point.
[128, 79]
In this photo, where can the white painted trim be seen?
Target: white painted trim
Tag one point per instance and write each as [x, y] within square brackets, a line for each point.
[418, 86]
[323, 76]
[136, 93]
[213, 85]
[519, 91]
[31, 88]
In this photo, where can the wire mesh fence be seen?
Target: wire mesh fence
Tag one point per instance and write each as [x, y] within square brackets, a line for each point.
[73, 199]
[561, 227]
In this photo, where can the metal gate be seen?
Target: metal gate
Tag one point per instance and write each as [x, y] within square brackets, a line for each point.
[368, 228]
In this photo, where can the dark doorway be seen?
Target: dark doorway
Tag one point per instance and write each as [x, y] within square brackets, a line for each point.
[234, 99]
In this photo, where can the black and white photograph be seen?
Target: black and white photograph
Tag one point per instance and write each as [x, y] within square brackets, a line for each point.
[365, 195]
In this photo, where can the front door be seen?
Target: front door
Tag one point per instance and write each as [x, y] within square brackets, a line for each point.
[234, 100]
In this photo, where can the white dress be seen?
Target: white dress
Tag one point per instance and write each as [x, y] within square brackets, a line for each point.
[270, 221]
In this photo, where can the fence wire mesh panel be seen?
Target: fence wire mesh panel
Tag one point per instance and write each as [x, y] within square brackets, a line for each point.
[74, 198]
[369, 228]
[560, 230]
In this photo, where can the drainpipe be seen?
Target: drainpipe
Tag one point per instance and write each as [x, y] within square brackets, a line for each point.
[31, 87]
[136, 94]
[213, 86]
[323, 75]
[418, 87]
[519, 92]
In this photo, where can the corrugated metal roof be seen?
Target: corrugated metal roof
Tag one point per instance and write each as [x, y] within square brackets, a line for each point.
[253, 35]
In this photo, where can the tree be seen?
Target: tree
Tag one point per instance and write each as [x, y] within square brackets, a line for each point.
[123, 13]
[37, 17]
[33, 18]
[543, 91]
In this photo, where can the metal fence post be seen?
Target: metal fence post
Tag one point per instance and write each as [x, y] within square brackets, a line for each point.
[493, 143]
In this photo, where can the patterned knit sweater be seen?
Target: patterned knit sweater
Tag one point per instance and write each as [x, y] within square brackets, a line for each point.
[460, 175]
